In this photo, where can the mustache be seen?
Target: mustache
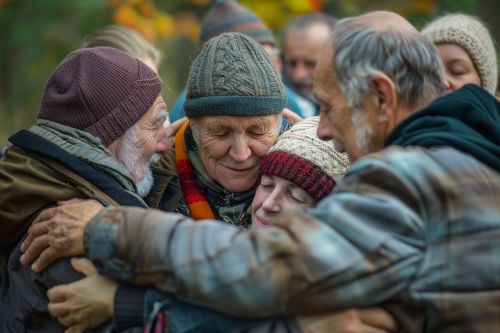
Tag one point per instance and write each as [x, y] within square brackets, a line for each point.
[302, 82]
[154, 158]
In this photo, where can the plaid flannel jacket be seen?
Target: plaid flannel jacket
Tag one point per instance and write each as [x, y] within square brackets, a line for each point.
[411, 225]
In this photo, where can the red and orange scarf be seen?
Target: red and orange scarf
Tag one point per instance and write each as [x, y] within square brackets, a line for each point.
[196, 201]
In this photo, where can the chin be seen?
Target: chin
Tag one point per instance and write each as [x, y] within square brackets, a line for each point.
[238, 186]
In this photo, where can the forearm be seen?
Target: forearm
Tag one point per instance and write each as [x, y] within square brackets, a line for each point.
[128, 244]
[303, 266]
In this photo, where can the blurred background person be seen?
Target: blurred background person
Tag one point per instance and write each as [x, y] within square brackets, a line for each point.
[467, 50]
[303, 39]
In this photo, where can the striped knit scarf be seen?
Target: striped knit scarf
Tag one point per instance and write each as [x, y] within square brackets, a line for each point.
[197, 204]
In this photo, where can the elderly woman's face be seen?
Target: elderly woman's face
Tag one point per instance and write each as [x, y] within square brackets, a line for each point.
[231, 147]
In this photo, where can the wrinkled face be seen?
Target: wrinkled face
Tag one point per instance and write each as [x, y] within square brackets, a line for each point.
[151, 129]
[301, 52]
[137, 149]
[458, 66]
[276, 195]
[231, 147]
[353, 130]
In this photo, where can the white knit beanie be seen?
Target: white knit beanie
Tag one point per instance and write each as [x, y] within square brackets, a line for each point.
[470, 34]
[304, 159]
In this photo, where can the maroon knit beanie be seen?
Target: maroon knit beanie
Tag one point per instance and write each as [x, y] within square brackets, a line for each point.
[101, 91]
[301, 157]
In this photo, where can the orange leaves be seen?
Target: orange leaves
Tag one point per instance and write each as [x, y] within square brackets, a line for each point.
[186, 24]
[200, 2]
[404, 7]
[143, 16]
[155, 23]
[277, 13]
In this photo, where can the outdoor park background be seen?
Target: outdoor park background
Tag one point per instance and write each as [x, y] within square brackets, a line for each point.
[35, 35]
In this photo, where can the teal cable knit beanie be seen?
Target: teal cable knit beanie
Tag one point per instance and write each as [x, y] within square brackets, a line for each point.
[234, 76]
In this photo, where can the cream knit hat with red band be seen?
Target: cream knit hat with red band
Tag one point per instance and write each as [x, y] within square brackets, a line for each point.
[309, 162]
[470, 34]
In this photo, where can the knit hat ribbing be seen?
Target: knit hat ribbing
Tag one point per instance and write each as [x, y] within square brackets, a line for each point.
[230, 16]
[234, 75]
[309, 162]
[471, 35]
[101, 91]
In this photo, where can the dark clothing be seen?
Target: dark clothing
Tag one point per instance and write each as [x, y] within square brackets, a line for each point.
[35, 174]
[467, 121]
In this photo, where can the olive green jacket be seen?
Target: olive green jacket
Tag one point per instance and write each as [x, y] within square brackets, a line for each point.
[47, 164]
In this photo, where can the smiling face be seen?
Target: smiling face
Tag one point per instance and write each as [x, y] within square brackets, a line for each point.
[458, 66]
[231, 147]
[275, 195]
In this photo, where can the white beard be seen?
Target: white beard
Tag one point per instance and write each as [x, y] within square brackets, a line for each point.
[146, 183]
[128, 155]
[364, 136]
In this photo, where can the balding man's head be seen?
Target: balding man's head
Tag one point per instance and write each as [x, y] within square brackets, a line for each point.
[384, 20]
[378, 68]
[385, 42]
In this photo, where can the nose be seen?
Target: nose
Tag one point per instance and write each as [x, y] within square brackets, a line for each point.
[272, 204]
[300, 72]
[324, 131]
[240, 151]
[448, 84]
[162, 141]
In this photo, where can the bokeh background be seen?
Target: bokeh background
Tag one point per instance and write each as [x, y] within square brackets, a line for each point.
[35, 35]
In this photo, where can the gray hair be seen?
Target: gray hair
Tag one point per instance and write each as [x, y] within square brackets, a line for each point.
[127, 40]
[305, 21]
[412, 63]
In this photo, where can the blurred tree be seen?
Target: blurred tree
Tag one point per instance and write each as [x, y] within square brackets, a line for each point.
[37, 34]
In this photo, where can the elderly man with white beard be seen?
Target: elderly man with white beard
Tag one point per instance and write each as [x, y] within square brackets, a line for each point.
[99, 130]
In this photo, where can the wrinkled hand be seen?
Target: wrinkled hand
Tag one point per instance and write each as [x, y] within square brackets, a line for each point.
[84, 304]
[370, 320]
[173, 128]
[292, 117]
[166, 136]
[58, 232]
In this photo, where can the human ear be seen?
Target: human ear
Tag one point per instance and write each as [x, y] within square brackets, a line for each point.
[384, 91]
